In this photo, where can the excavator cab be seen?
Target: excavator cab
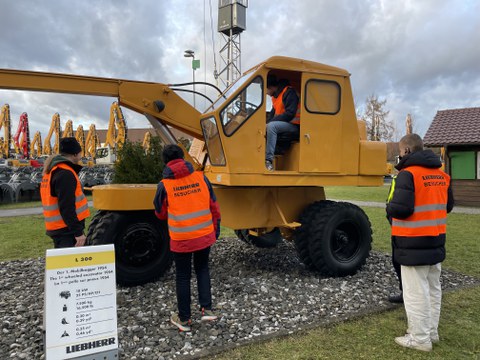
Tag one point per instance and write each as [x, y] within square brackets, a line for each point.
[329, 145]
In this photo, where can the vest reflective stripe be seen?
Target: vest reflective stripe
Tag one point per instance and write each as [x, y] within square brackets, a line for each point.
[77, 199]
[277, 103]
[419, 224]
[51, 211]
[429, 217]
[191, 228]
[190, 215]
[430, 207]
[392, 189]
[188, 199]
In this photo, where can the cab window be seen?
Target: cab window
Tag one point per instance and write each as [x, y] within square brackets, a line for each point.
[322, 97]
[242, 106]
[212, 139]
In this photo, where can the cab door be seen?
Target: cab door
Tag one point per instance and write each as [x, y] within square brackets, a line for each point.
[321, 123]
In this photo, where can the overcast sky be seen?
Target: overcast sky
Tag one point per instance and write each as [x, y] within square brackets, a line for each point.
[419, 55]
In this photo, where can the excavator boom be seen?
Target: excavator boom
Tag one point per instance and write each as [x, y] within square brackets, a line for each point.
[6, 125]
[154, 99]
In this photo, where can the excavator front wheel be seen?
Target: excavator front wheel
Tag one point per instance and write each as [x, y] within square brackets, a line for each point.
[335, 238]
[142, 250]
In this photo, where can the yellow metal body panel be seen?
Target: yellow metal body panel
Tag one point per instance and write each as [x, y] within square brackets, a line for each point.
[241, 207]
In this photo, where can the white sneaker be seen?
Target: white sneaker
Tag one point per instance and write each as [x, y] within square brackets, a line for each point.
[408, 342]
[181, 325]
[208, 315]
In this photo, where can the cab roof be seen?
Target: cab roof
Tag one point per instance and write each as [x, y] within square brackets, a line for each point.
[295, 64]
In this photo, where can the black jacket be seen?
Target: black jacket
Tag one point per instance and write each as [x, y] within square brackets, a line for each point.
[290, 102]
[62, 186]
[419, 250]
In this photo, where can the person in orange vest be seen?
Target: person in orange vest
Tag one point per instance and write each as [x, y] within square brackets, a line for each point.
[185, 199]
[284, 116]
[418, 209]
[65, 206]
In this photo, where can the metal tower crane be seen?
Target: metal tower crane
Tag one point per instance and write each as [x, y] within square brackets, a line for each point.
[232, 22]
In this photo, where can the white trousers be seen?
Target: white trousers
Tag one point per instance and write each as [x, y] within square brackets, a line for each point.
[422, 296]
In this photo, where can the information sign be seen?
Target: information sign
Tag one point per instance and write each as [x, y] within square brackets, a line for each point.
[80, 302]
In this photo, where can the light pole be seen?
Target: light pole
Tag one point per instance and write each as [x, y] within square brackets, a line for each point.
[195, 66]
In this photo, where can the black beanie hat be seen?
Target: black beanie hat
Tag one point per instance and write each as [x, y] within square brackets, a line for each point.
[272, 81]
[70, 145]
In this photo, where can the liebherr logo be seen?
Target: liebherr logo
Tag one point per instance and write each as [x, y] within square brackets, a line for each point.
[90, 345]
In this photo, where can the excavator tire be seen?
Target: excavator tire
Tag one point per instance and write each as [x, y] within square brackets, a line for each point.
[302, 235]
[339, 238]
[142, 249]
[267, 240]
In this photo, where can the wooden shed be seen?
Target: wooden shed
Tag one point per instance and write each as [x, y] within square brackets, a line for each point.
[458, 132]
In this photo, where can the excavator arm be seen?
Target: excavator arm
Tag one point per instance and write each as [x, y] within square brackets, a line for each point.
[54, 129]
[21, 139]
[68, 131]
[157, 101]
[36, 145]
[91, 142]
[117, 129]
[80, 136]
[7, 129]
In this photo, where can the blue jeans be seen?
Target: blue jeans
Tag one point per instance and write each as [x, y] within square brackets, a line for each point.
[183, 264]
[274, 128]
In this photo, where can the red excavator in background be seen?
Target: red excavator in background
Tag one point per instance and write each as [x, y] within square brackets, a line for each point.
[21, 140]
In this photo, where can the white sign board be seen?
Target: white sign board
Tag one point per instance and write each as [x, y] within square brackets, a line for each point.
[80, 301]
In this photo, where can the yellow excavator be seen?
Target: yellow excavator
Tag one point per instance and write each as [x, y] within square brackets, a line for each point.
[91, 143]
[115, 138]
[147, 138]
[68, 131]
[262, 206]
[55, 129]
[5, 123]
[36, 146]
[80, 136]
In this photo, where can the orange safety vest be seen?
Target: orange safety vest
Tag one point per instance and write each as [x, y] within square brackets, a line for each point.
[429, 217]
[277, 103]
[51, 211]
[188, 200]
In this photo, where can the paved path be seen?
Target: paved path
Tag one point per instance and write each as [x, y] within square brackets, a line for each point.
[38, 210]
[456, 209]
[26, 211]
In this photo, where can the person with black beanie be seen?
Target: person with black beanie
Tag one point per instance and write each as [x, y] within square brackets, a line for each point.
[65, 206]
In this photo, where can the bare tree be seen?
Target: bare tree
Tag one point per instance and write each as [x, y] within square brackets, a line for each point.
[375, 115]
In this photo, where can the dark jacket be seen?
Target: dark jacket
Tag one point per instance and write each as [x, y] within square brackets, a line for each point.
[419, 250]
[290, 102]
[62, 186]
[177, 169]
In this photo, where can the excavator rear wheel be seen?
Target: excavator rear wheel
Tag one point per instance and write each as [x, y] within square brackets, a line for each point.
[338, 235]
[142, 250]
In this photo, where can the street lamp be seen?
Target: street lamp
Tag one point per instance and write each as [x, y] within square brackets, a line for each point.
[195, 65]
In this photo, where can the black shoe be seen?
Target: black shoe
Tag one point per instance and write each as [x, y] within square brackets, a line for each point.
[396, 298]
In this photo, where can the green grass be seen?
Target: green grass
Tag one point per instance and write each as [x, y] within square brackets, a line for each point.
[378, 194]
[24, 237]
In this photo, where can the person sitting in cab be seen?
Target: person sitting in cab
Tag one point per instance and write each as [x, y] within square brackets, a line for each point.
[284, 118]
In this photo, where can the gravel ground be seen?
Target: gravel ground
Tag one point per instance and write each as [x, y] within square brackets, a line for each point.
[258, 293]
